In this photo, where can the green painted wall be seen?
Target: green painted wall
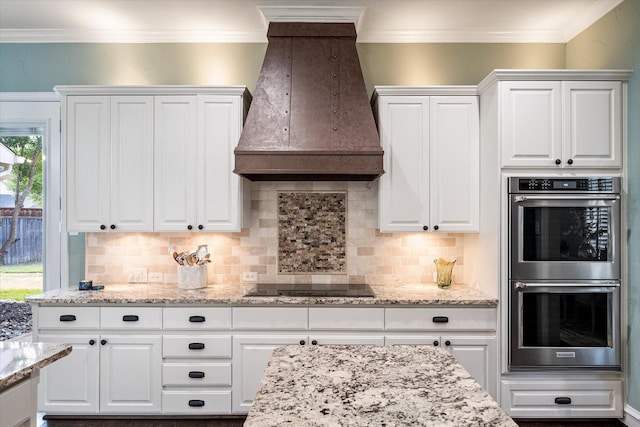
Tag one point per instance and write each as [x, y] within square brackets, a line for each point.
[39, 67]
[614, 42]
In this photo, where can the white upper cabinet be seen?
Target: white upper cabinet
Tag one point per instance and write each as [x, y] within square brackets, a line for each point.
[195, 187]
[561, 124]
[157, 158]
[109, 147]
[175, 163]
[431, 160]
[592, 131]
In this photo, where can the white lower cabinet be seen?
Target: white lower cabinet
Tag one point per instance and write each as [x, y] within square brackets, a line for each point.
[562, 398]
[17, 404]
[110, 370]
[196, 360]
[103, 374]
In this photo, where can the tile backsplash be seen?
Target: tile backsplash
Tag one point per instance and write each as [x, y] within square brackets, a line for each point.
[372, 257]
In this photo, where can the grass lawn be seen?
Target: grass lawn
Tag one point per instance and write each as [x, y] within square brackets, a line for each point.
[21, 268]
[18, 294]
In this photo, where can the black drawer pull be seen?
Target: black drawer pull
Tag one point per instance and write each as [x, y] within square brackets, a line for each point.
[563, 401]
[196, 403]
[196, 319]
[440, 319]
[196, 374]
[68, 318]
[196, 346]
[130, 318]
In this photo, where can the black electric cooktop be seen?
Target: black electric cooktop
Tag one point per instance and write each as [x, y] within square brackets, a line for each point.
[289, 290]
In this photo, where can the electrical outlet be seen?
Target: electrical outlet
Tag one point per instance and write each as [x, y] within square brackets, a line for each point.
[250, 276]
[137, 275]
[155, 277]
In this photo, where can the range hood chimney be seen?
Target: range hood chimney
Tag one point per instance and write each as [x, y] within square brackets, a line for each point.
[310, 118]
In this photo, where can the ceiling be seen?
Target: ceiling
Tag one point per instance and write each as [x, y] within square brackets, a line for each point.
[377, 21]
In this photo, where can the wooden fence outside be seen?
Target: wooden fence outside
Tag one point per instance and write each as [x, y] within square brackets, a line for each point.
[28, 249]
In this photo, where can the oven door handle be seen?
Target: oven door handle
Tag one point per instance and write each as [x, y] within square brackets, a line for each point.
[523, 198]
[522, 285]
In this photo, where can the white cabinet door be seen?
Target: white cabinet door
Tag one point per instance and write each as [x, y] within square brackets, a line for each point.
[479, 357]
[131, 171]
[175, 160]
[218, 188]
[70, 385]
[87, 169]
[531, 116]
[250, 357]
[592, 128]
[404, 188]
[455, 163]
[109, 163]
[130, 374]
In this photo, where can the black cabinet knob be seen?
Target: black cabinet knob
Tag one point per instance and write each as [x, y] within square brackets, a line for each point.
[68, 318]
[196, 346]
[425, 227]
[200, 227]
[440, 319]
[197, 319]
[435, 227]
[436, 343]
[130, 318]
[196, 374]
[302, 342]
[92, 342]
[196, 403]
[103, 342]
[570, 161]
[189, 227]
[314, 342]
[113, 226]
[558, 161]
[447, 343]
[103, 227]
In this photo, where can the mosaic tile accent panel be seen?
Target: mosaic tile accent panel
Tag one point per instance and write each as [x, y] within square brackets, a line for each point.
[312, 230]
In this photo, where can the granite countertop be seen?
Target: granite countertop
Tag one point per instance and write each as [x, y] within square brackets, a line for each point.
[370, 385]
[457, 295]
[19, 359]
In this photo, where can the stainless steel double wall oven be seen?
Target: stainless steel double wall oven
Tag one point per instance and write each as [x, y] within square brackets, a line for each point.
[564, 273]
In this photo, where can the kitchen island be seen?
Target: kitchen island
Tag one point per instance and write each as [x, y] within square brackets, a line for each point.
[370, 385]
[20, 363]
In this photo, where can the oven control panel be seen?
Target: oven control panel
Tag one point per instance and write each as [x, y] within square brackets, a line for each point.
[576, 185]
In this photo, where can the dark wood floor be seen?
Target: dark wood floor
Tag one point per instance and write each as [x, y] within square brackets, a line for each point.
[237, 422]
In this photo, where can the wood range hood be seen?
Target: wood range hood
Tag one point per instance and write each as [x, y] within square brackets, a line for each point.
[310, 118]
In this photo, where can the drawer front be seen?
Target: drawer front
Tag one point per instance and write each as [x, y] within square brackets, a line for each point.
[549, 399]
[196, 346]
[196, 374]
[196, 402]
[440, 319]
[68, 317]
[131, 318]
[287, 318]
[335, 318]
[195, 318]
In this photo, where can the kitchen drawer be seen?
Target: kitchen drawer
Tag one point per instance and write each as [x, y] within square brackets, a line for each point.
[440, 319]
[196, 346]
[335, 318]
[287, 318]
[68, 317]
[568, 398]
[196, 374]
[196, 402]
[131, 318]
[196, 318]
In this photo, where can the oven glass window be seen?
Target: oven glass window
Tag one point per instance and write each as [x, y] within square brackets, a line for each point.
[565, 320]
[566, 234]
